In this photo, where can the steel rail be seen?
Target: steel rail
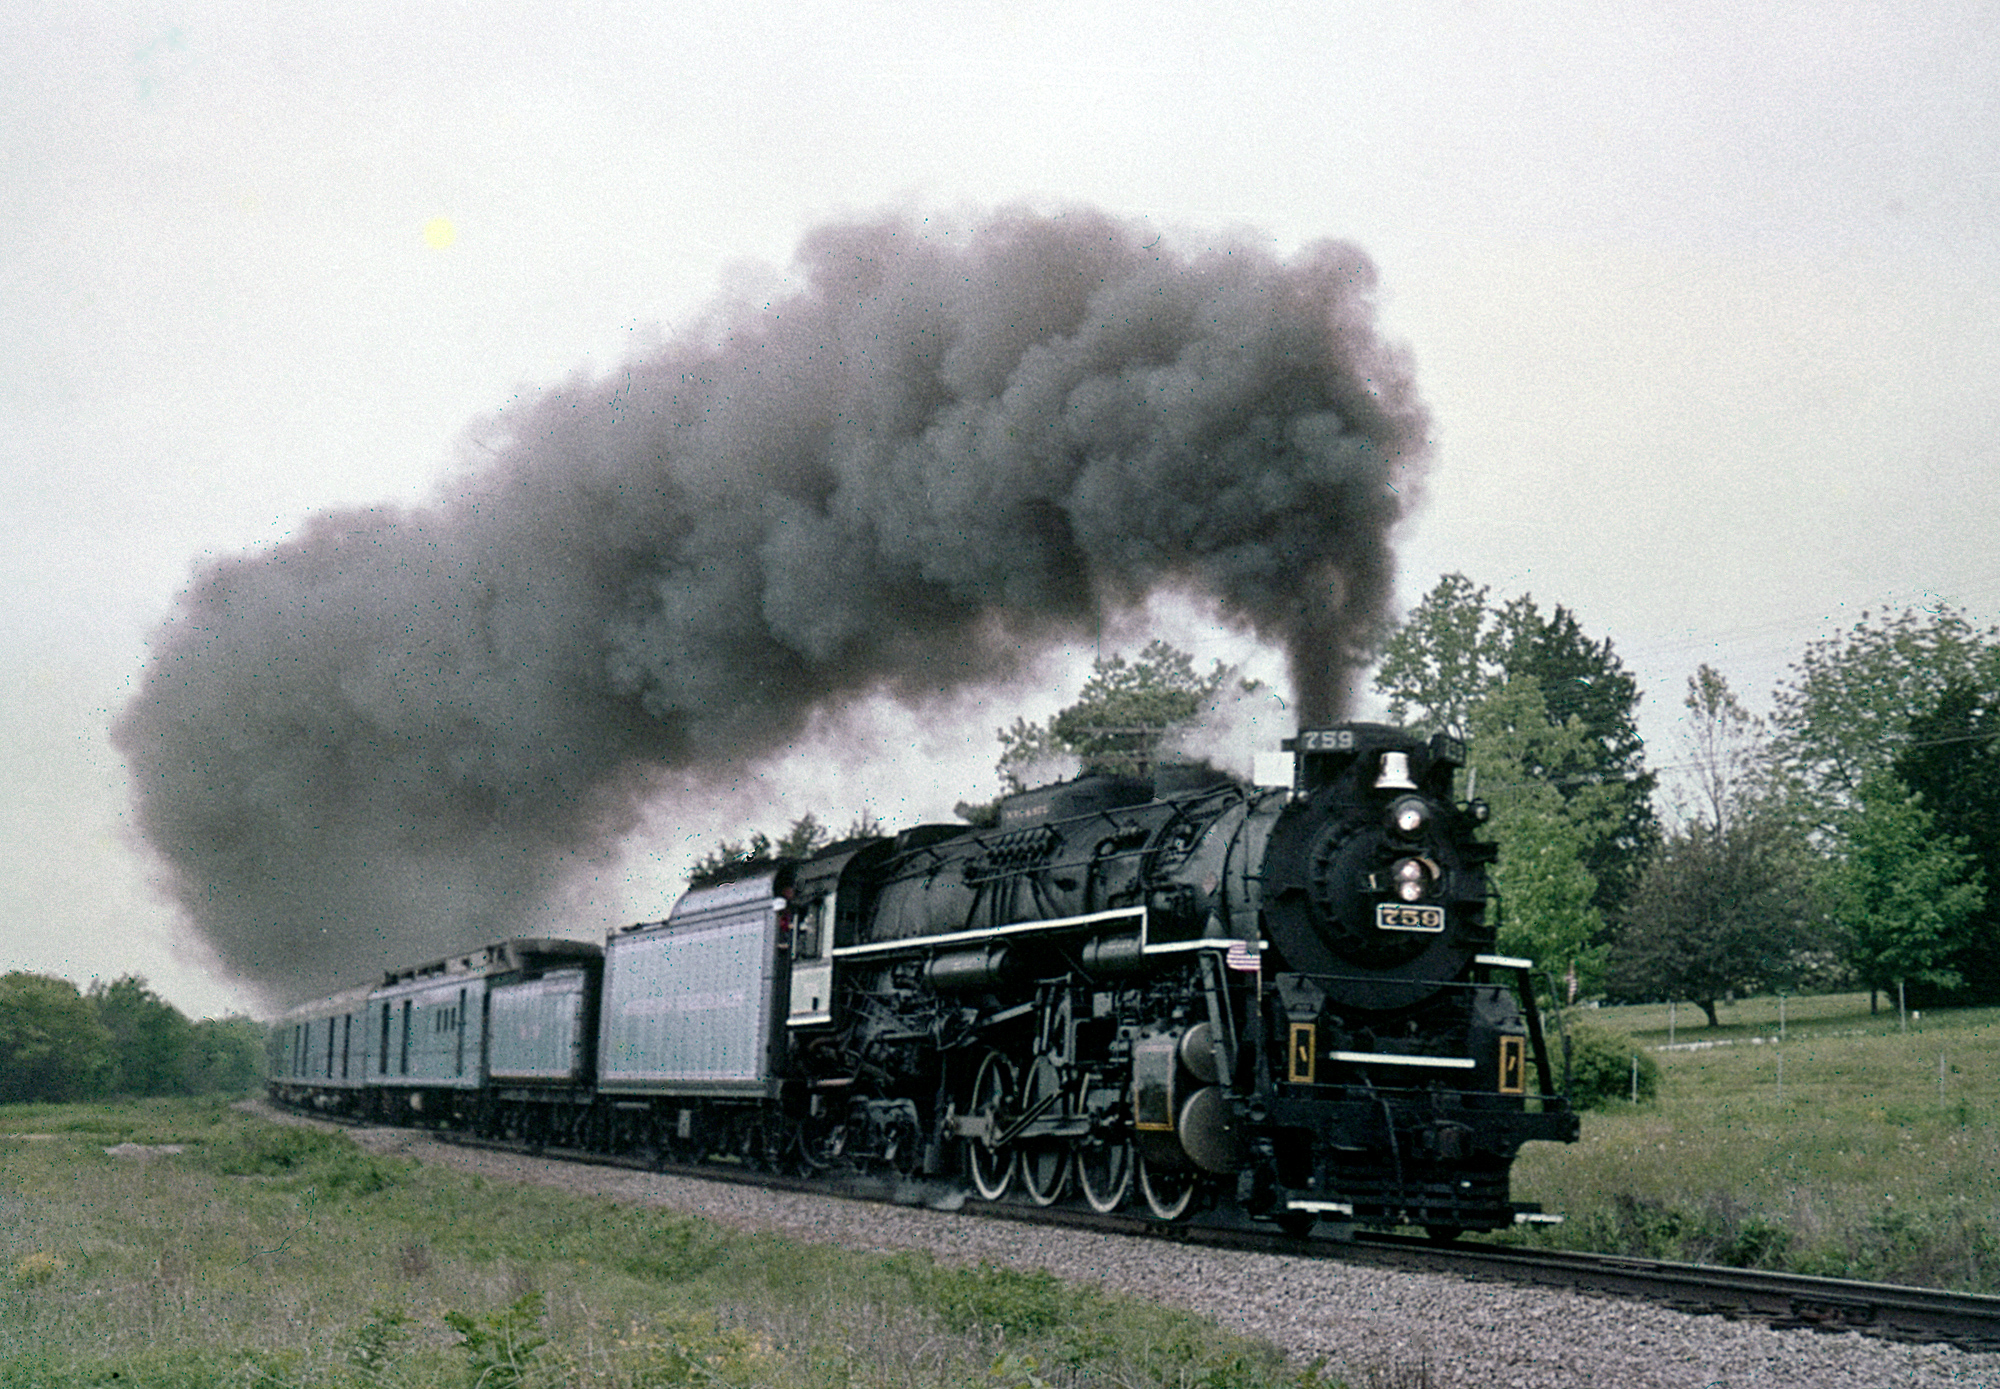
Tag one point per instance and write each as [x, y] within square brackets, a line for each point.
[1786, 1301]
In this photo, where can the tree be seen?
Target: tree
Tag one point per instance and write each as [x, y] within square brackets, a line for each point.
[1718, 910]
[1546, 892]
[1457, 651]
[52, 1047]
[1727, 753]
[1952, 760]
[1586, 687]
[1441, 661]
[1873, 726]
[149, 1037]
[806, 836]
[1121, 720]
[1727, 902]
[1844, 712]
[1905, 892]
[225, 1055]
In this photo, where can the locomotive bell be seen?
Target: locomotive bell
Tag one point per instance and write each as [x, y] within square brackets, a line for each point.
[1395, 773]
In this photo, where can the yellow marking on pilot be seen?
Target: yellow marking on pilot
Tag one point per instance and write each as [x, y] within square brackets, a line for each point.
[1305, 1053]
[1513, 1065]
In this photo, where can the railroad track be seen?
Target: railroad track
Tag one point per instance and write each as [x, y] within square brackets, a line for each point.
[1968, 1321]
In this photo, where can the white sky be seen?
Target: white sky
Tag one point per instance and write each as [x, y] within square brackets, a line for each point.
[1704, 299]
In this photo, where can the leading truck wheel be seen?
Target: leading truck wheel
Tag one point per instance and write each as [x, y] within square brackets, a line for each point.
[991, 1168]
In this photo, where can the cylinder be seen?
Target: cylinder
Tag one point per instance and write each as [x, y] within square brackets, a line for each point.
[1198, 1053]
[1207, 1131]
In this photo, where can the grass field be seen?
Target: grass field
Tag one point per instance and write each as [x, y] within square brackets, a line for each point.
[1848, 1146]
[281, 1257]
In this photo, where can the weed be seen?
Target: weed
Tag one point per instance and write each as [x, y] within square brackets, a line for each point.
[274, 1150]
[35, 1269]
[677, 1248]
[503, 1348]
[377, 1344]
[691, 1350]
[1003, 1300]
[1013, 1371]
[333, 1162]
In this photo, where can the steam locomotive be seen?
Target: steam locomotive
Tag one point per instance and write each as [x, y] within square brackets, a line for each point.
[1171, 992]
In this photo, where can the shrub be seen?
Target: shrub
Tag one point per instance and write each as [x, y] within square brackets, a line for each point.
[504, 1348]
[331, 1161]
[1600, 1066]
[1720, 1230]
[1010, 1301]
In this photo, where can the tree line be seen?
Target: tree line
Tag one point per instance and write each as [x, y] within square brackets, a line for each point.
[1842, 841]
[59, 1044]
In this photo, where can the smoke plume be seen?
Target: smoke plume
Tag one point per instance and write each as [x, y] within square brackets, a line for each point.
[377, 742]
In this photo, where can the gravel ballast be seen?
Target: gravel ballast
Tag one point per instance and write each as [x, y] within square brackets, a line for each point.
[1362, 1321]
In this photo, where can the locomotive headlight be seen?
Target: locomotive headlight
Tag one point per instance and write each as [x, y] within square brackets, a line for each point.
[1410, 879]
[1408, 816]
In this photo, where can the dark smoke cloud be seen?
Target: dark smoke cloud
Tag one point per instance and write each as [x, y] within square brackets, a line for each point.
[377, 742]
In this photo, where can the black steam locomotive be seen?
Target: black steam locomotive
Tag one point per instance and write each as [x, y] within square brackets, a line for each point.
[1171, 992]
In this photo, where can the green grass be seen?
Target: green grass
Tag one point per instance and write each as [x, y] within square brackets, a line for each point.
[276, 1256]
[1841, 1149]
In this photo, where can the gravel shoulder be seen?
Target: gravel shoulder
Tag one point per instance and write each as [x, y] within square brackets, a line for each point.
[1366, 1321]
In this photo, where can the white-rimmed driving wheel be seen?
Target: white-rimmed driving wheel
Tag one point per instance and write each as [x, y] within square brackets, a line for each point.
[990, 1167]
[1169, 1195]
[1045, 1162]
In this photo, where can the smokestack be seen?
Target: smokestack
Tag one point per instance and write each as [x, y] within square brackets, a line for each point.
[378, 741]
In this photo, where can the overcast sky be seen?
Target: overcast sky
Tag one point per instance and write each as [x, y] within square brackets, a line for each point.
[1704, 301]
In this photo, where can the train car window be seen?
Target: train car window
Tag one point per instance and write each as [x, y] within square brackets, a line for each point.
[457, 1014]
[809, 931]
[383, 1053]
[346, 1042]
[406, 1037]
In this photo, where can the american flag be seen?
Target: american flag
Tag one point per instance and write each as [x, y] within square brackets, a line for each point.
[1243, 955]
